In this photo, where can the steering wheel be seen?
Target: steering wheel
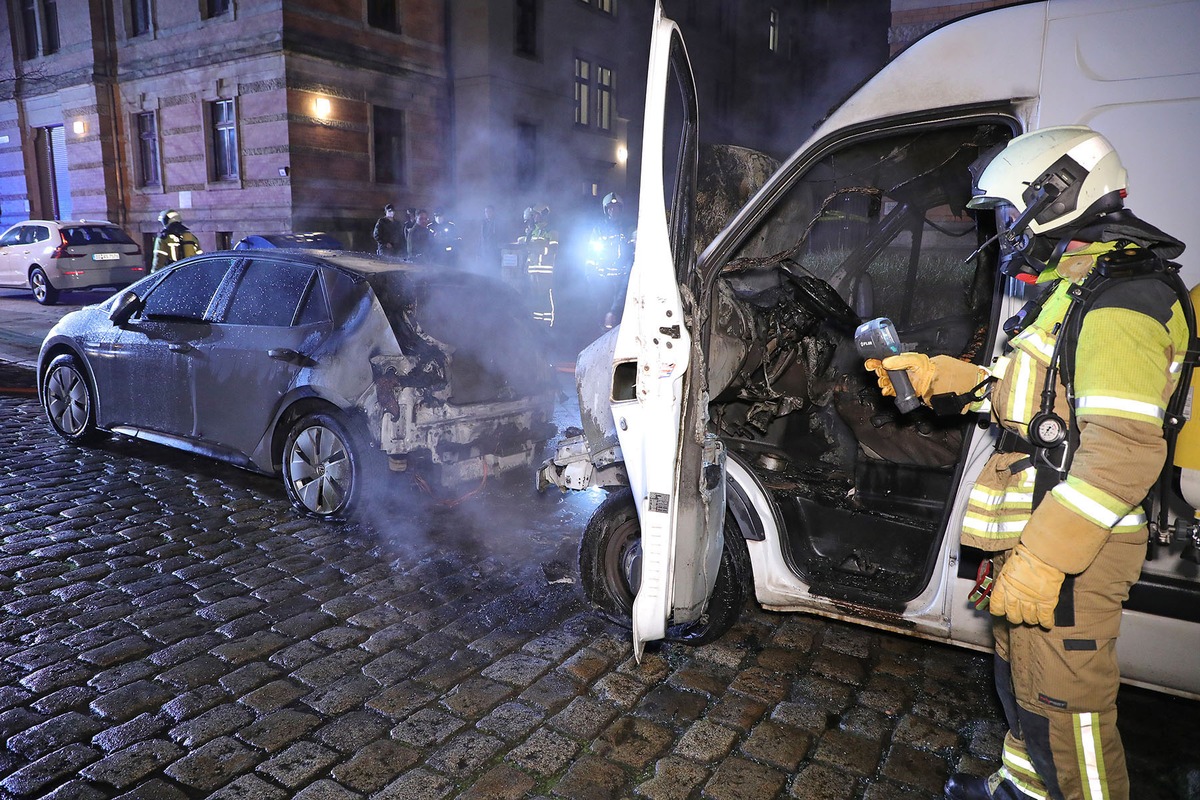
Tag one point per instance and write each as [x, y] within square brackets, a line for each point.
[820, 298]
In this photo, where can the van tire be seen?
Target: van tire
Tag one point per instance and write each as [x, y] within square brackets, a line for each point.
[610, 562]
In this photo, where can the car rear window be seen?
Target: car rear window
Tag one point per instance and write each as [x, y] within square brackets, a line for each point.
[77, 235]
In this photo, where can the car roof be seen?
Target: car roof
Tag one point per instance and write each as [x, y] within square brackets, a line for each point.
[61, 223]
[359, 264]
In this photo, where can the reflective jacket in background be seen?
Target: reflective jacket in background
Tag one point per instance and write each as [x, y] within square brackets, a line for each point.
[173, 243]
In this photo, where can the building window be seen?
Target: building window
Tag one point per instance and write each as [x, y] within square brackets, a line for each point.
[29, 29]
[583, 92]
[387, 131]
[606, 6]
[594, 81]
[147, 149]
[773, 30]
[604, 98]
[525, 28]
[139, 17]
[50, 23]
[215, 8]
[383, 14]
[224, 141]
[526, 155]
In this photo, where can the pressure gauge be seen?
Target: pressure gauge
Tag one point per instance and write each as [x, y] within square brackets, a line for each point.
[1047, 430]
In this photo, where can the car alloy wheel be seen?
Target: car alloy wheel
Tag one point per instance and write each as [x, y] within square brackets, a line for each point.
[43, 291]
[321, 467]
[68, 399]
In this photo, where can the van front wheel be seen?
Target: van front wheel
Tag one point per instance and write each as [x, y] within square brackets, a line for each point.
[610, 562]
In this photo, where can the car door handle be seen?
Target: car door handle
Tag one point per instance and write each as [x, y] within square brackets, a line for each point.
[180, 347]
[290, 356]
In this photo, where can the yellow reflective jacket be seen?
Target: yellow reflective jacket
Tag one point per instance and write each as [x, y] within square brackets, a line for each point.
[172, 244]
[1127, 363]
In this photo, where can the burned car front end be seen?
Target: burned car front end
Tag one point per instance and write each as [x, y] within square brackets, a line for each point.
[471, 391]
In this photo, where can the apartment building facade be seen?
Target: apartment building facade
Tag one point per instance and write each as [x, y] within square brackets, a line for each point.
[249, 116]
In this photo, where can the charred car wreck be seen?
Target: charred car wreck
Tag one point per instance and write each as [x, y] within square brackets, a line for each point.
[327, 368]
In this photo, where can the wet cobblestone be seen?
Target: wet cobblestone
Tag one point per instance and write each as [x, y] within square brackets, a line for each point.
[171, 630]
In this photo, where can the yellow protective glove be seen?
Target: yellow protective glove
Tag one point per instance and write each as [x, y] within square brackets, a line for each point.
[1026, 590]
[929, 376]
[918, 366]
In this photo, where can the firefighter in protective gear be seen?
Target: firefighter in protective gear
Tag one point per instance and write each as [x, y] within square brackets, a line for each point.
[173, 242]
[610, 257]
[1062, 519]
[540, 247]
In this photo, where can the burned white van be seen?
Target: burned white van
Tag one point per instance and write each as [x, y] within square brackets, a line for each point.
[745, 449]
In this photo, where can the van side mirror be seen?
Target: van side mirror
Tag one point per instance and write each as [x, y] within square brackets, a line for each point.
[128, 303]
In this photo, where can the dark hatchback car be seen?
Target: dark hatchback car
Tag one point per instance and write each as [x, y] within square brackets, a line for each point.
[324, 367]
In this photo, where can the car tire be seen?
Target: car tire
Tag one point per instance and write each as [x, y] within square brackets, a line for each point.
[69, 400]
[610, 562]
[326, 467]
[43, 291]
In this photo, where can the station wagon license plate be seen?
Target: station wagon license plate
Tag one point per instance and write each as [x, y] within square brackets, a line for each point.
[105, 256]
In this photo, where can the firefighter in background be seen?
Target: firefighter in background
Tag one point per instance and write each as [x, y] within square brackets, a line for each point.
[610, 256]
[173, 242]
[1058, 505]
[540, 247]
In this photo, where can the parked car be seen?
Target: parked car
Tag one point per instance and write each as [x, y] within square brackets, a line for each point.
[303, 241]
[326, 369]
[746, 451]
[52, 256]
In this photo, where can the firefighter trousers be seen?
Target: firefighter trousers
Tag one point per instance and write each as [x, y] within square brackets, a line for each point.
[1059, 687]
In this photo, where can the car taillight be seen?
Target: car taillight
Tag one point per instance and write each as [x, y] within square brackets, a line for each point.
[72, 273]
[61, 250]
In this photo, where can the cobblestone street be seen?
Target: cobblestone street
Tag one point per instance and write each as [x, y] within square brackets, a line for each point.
[170, 629]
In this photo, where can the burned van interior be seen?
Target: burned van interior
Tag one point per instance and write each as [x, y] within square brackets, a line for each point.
[876, 228]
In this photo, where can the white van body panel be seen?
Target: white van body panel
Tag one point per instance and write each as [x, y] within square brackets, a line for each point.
[1048, 63]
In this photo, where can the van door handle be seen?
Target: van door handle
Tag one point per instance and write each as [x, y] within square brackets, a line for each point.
[180, 347]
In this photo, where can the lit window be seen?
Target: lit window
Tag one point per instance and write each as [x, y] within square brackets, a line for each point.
[604, 98]
[605, 5]
[224, 141]
[583, 88]
[387, 133]
[147, 149]
[594, 81]
[773, 35]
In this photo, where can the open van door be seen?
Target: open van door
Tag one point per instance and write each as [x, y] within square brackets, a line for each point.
[659, 404]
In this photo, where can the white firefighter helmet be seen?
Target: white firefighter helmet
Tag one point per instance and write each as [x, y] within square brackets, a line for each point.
[1052, 178]
[610, 199]
[168, 216]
